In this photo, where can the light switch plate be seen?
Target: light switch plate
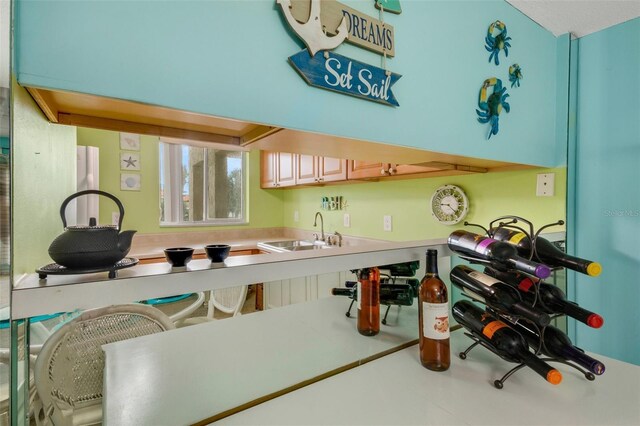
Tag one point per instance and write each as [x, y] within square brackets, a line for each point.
[296, 216]
[387, 223]
[545, 185]
[115, 218]
[346, 220]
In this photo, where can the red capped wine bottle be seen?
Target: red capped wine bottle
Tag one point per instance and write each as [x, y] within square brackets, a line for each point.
[553, 299]
[368, 300]
[433, 317]
[556, 344]
[547, 252]
[390, 294]
[496, 294]
[502, 339]
[474, 245]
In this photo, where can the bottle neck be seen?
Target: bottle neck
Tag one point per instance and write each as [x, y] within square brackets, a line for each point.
[432, 265]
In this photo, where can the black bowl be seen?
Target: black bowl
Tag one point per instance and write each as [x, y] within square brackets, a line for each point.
[217, 252]
[178, 256]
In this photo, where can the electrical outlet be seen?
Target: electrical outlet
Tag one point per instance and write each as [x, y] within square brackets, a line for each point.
[296, 216]
[115, 218]
[545, 184]
[387, 223]
[347, 220]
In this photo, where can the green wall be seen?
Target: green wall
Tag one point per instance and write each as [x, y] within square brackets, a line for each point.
[407, 201]
[142, 210]
[490, 195]
[44, 174]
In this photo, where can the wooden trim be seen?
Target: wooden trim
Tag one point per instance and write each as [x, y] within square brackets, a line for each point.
[302, 384]
[257, 134]
[46, 105]
[144, 129]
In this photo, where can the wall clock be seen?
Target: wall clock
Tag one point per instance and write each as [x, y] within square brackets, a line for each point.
[449, 204]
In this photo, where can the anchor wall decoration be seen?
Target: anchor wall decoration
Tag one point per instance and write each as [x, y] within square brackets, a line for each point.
[331, 71]
[311, 32]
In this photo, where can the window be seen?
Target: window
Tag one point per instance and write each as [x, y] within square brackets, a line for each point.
[201, 185]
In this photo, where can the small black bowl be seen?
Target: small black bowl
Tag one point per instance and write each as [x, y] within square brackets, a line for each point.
[217, 252]
[178, 256]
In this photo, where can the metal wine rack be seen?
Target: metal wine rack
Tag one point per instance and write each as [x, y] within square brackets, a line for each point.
[511, 221]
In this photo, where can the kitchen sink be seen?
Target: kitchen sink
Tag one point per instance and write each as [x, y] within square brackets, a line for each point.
[293, 245]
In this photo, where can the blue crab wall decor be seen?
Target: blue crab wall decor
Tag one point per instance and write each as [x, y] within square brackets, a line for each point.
[491, 107]
[495, 43]
[515, 75]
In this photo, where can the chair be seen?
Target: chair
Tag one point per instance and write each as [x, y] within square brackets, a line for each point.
[228, 300]
[68, 371]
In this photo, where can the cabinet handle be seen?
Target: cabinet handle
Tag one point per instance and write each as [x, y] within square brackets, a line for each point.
[320, 179]
[392, 171]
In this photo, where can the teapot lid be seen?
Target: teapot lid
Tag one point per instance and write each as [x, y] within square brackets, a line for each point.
[81, 227]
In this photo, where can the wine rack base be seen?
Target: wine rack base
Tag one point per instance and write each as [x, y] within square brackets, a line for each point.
[499, 383]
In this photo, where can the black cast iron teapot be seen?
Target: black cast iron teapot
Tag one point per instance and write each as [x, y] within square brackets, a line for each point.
[93, 246]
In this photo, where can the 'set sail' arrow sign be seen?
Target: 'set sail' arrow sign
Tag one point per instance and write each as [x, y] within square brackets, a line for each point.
[344, 75]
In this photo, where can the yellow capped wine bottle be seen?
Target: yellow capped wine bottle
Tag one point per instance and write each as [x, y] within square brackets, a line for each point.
[547, 252]
[502, 339]
[433, 317]
[498, 252]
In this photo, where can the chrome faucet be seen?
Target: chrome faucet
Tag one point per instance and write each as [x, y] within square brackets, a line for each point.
[315, 223]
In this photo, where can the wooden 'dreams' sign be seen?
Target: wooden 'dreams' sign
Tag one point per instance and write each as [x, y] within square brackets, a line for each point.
[364, 30]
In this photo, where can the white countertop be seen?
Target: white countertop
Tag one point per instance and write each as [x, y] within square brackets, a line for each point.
[59, 293]
[397, 390]
[190, 374]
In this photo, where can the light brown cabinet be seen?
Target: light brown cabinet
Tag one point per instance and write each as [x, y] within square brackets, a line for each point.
[366, 169]
[278, 169]
[312, 169]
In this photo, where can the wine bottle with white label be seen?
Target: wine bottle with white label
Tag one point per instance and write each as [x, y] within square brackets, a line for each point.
[550, 299]
[502, 339]
[496, 294]
[498, 252]
[368, 299]
[546, 251]
[433, 317]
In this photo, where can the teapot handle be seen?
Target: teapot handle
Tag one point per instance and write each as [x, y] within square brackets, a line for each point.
[91, 191]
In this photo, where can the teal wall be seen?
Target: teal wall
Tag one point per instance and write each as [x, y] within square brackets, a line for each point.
[607, 187]
[229, 58]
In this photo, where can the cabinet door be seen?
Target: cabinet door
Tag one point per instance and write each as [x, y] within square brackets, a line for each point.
[268, 174]
[332, 169]
[365, 169]
[286, 169]
[307, 169]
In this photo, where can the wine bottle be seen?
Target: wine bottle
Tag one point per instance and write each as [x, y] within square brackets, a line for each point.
[368, 300]
[496, 294]
[390, 294]
[433, 317]
[502, 339]
[556, 344]
[474, 245]
[546, 251]
[553, 299]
